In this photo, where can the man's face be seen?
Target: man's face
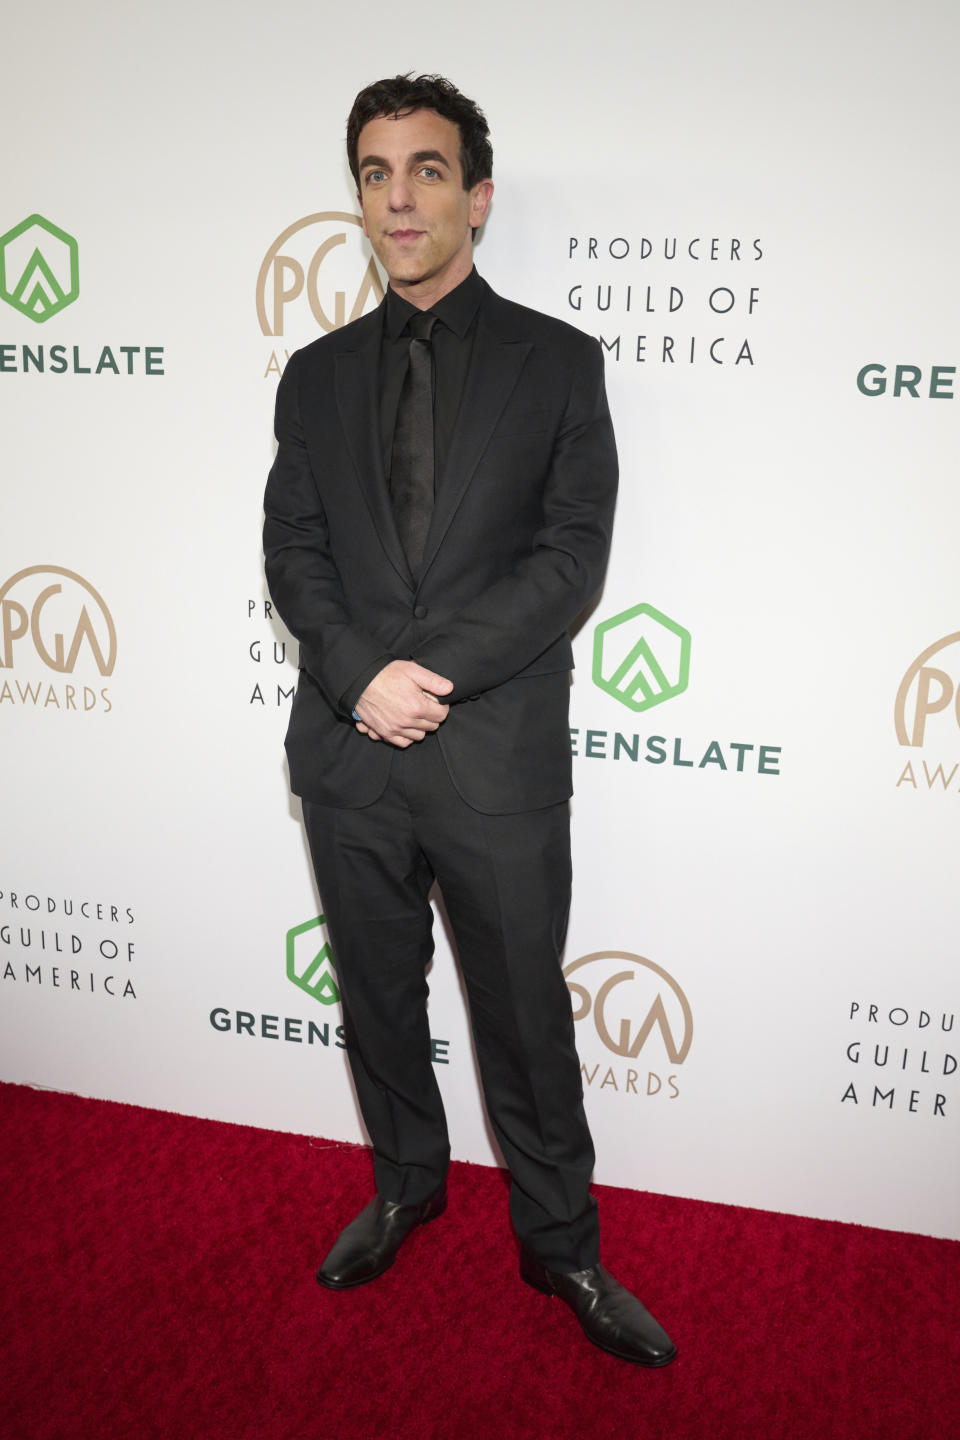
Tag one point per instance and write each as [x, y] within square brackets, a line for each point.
[415, 210]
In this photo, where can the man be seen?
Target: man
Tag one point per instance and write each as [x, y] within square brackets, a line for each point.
[438, 513]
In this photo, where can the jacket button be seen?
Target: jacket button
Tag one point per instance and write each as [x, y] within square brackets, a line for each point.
[420, 612]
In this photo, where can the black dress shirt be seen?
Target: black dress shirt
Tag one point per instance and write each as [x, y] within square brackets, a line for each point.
[452, 341]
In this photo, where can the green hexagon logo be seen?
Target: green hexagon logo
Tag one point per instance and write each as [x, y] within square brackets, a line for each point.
[39, 268]
[310, 969]
[641, 657]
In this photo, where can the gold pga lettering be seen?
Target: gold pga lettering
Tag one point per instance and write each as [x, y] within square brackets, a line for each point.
[928, 690]
[329, 241]
[629, 998]
[54, 615]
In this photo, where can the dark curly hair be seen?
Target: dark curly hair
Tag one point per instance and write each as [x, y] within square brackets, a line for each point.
[405, 93]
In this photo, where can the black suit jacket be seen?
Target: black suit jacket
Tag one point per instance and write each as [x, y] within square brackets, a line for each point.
[517, 545]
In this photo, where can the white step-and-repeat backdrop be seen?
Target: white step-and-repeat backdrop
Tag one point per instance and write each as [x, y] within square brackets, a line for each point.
[754, 206]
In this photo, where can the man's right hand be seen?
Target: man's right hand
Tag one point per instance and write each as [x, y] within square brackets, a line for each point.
[400, 704]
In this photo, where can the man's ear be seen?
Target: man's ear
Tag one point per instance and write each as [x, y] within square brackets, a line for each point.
[480, 197]
[363, 218]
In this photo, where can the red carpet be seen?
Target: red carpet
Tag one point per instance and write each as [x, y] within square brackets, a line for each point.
[158, 1282]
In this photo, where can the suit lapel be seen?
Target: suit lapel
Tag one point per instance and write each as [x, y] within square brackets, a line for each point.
[495, 366]
[358, 403]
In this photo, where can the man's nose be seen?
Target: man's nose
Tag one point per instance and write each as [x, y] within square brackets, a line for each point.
[400, 195]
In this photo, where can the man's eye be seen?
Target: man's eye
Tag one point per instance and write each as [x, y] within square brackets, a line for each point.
[429, 172]
[374, 177]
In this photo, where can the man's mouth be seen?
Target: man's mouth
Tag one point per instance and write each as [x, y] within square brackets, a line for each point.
[404, 236]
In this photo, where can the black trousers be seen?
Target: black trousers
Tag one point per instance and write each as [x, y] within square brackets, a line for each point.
[505, 881]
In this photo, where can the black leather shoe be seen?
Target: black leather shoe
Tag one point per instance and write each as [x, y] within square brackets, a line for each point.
[610, 1316]
[369, 1244]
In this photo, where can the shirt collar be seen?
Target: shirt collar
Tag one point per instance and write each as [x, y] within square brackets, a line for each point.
[456, 309]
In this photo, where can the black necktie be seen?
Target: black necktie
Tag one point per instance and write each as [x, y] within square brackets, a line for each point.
[411, 466]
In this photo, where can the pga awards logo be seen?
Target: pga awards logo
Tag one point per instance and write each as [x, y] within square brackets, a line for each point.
[927, 718]
[58, 642]
[317, 274]
[635, 1023]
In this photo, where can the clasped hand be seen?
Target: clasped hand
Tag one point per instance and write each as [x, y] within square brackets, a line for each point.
[400, 704]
